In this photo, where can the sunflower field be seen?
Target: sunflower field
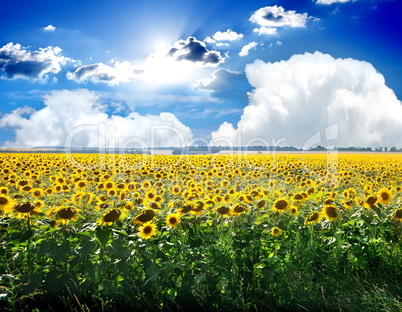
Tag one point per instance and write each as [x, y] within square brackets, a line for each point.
[284, 232]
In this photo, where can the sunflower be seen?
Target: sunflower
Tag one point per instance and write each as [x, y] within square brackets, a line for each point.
[384, 196]
[63, 214]
[312, 218]
[239, 209]
[261, 204]
[173, 220]
[280, 205]
[348, 203]
[276, 231]
[224, 211]
[24, 209]
[150, 196]
[80, 185]
[145, 216]
[112, 192]
[175, 190]
[186, 208]
[108, 185]
[37, 193]
[293, 211]
[4, 191]
[57, 188]
[370, 201]
[330, 212]
[398, 214]
[6, 203]
[147, 230]
[110, 216]
[197, 208]
[49, 191]
[298, 196]
[86, 198]
[131, 187]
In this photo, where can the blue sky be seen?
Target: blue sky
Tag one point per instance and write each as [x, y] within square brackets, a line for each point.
[229, 71]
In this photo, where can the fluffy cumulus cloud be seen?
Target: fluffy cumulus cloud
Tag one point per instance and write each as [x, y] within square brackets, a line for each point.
[228, 35]
[102, 73]
[244, 51]
[195, 51]
[49, 28]
[77, 118]
[309, 94]
[17, 61]
[272, 17]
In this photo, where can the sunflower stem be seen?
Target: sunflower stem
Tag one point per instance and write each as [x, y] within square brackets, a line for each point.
[29, 256]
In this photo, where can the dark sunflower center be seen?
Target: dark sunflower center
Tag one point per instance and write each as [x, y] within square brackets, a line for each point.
[112, 216]
[314, 217]
[223, 210]
[146, 216]
[298, 197]
[371, 200]
[398, 214]
[3, 201]
[66, 213]
[147, 229]
[384, 196]
[173, 220]
[331, 212]
[24, 207]
[281, 204]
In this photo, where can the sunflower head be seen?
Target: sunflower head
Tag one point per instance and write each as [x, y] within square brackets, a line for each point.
[110, 216]
[239, 209]
[330, 212]
[280, 205]
[173, 220]
[223, 211]
[145, 216]
[384, 196]
[398, 214]
[312, 218]
[276, 231]
[147, 230]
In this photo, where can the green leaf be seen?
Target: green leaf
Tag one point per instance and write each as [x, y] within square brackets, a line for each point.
[103, 235]
[30, 283]
[55, 283]
[200, 278]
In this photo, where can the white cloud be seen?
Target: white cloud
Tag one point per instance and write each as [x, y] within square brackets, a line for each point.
[328, 2]
[277, 43]
[17, 61]
[49, 28]
[276, 16]
[228, 35]
[265, 31]
[77, 117]
[244, 51]
[196, 52]
[297, 98]
[209, 40]
[102, 73]
[222, 44]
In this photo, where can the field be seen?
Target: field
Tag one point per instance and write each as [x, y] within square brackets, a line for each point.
[281, 232]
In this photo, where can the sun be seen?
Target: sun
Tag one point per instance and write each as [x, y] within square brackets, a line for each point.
[159, 69]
